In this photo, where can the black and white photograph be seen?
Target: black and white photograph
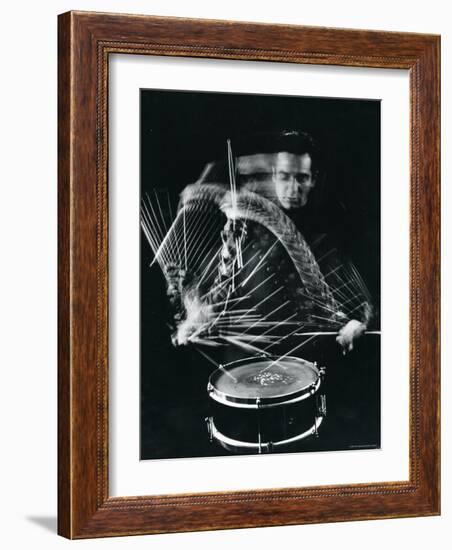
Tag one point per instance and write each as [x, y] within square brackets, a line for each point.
[260, 274]
[224, 236]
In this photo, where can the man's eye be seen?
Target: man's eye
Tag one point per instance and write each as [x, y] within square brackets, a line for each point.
[283, 176]
[302, 178]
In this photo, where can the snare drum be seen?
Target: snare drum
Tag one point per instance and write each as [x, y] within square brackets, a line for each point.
[264, 403]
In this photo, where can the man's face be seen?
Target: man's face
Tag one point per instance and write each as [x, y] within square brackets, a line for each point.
[293, 179]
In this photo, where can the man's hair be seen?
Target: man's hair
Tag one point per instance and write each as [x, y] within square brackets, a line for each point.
[297, 142]
[292, 141]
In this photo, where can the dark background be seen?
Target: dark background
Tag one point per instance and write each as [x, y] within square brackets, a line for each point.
[180, 133]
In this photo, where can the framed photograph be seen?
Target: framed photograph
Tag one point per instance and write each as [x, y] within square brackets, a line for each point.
[248, 275]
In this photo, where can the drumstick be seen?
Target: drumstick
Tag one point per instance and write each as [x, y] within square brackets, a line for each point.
[326, 333]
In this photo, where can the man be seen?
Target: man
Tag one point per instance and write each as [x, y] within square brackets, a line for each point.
[294, 273]
[294, 178]
[288, 173]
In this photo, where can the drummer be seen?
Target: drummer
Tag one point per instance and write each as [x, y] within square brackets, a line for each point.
[284, 168]
[294, 177]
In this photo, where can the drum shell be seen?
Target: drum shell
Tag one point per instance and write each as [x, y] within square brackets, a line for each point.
[267, 425]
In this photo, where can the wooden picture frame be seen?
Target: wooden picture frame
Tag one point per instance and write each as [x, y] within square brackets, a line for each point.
[85, 42]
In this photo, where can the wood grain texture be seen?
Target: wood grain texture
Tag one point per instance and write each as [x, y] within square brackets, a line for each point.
[85, 42]
[64, 295]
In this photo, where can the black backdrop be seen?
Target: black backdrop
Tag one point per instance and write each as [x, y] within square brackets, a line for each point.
[180, 132]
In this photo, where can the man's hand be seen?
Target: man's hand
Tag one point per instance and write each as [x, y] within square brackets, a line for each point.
[348, 333]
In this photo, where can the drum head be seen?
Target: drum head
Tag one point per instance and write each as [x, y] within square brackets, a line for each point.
[263, 381]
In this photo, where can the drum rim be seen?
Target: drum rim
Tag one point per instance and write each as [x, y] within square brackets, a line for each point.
[234, 445]
[262, 402]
